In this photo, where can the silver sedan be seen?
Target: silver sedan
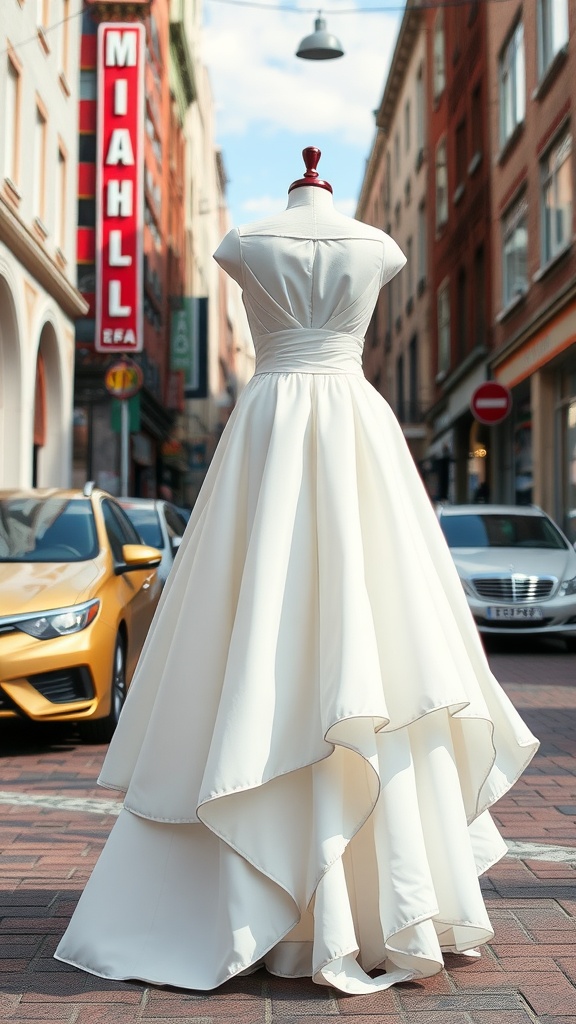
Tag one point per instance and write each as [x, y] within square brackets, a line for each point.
[517, 568]
[154, 517]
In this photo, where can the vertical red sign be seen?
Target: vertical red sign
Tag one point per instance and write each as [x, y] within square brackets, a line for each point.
[119, 187]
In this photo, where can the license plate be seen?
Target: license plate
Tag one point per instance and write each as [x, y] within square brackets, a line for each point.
[521, 612]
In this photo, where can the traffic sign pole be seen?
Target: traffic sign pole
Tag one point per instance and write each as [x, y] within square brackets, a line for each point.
[124, 446]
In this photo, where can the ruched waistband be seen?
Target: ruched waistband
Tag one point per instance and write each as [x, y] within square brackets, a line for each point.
[304, 350]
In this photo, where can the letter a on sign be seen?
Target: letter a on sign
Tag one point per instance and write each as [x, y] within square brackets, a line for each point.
[120, 187]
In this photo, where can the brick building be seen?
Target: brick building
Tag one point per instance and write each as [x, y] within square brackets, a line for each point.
[394, 197]
[460, 244]
[533, 67]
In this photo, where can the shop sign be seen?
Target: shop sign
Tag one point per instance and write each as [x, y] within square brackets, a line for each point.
[491, 402]
[119, 187]
[558, 335]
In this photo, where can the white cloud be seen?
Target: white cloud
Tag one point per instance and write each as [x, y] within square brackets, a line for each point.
[270, 104]
[258, 81]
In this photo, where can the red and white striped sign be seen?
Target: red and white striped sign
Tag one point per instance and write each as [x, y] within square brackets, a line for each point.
[120, 187]
[491, 402]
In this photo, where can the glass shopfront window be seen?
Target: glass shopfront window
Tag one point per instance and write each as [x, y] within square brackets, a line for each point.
[569, 456]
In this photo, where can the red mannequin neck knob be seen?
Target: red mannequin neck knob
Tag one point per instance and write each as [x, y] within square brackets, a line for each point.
[311, 157]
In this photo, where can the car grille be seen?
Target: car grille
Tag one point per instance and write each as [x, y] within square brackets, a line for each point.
[65, 686]
[515, 588]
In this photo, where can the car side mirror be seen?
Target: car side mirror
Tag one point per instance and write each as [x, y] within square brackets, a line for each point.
[138, 556]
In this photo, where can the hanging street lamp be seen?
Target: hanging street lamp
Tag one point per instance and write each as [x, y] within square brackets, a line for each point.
[321, 45]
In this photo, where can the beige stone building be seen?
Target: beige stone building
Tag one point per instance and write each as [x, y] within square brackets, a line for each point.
[38, 296]
[394, 197]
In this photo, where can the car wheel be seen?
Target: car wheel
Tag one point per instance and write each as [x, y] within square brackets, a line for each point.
[570, 642]
[101, 730]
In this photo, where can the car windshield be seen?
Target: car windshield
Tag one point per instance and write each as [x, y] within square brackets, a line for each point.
[147, 523]
[47, 530]
[500, 531]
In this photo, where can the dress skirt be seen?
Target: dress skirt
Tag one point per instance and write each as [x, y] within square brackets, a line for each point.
[313, 738]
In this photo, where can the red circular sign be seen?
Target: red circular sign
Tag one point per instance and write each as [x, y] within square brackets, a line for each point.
[123, 379]
[491, 402]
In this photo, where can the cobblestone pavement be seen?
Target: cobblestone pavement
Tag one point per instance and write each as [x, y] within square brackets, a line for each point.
[54, 821]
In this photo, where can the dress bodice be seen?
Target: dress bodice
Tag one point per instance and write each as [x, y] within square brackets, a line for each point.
[312, 270]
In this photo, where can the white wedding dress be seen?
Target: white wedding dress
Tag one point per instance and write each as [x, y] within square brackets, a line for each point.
[313, 737]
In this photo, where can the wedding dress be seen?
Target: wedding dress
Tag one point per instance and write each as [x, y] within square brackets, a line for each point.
[313, 736]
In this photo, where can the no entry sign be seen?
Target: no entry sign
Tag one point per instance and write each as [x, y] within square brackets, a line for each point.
[491, 402]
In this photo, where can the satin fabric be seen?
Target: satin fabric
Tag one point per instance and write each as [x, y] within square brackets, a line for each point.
[313, 738]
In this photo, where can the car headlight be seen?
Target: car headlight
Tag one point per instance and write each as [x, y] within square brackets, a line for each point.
[568, 587]
[62, 622]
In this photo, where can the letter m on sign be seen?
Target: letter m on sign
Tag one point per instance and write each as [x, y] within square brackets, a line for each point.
[121, 49]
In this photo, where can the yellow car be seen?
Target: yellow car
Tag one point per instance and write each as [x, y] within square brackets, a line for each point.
[78, 591]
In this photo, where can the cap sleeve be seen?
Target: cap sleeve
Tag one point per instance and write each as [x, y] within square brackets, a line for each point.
[393, 261]
[228, 255]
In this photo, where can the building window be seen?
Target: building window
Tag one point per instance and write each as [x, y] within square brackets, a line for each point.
[407, 126]
[65, 36]
[512, 75]
[39, 166]
[515, 251]
[410, 270]
[398, 301]
[11, 127]
[413, 410]
[422, 236]
[420, 111]
[480, 297]
[400, 410]
[552, 31]
[87, 148]
[60, 204]
[441, 184]
[477, 112]
[88, 85]
[397, 154]
[462, 315]
[556, 212]
[461, 158]
[443, 316]
[439, 56]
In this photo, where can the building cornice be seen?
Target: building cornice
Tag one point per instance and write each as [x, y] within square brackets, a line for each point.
[21, 242]
[372, 164]
[407, 37]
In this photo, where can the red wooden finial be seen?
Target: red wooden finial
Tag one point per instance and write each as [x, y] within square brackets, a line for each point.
[311, 157]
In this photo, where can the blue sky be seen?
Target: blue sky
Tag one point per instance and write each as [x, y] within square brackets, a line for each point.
[270, 104]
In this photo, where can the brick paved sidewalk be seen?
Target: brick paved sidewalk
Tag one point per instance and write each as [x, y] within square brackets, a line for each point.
[527, 974]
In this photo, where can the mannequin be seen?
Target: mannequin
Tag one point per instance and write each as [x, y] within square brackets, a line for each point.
[309, 214]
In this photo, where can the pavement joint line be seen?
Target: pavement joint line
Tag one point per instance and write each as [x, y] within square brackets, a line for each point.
[541, 851]
[87, 804]
[518, 850]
